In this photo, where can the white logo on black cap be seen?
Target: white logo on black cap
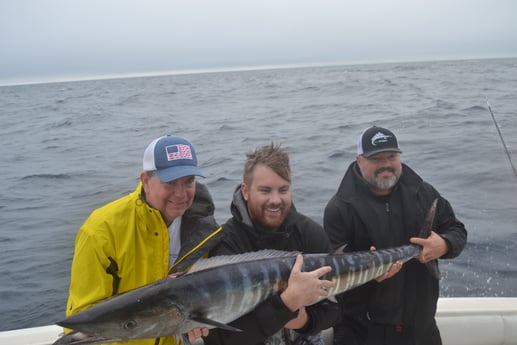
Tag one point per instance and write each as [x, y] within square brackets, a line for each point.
[380, 138]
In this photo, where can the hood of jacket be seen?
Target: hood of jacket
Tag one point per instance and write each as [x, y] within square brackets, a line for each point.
[203, 204]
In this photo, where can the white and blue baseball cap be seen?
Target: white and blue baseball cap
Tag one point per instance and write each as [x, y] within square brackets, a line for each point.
[171, 157]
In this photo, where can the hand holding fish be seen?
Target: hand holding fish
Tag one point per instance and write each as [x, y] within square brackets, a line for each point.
[303, 288]
[394, 269]
[197, 333]
[434, 247]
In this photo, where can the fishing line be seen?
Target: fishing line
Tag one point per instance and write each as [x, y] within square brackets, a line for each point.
[501, 136]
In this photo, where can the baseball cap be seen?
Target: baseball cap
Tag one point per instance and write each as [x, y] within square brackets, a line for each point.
[376, 139]
[171, 157]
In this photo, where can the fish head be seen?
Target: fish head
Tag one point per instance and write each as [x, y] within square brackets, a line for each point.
[119, 322]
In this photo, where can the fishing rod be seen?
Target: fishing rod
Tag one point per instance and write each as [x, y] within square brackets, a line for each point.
[501, 136]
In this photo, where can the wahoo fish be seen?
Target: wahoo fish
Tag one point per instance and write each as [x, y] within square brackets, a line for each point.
[220, 289]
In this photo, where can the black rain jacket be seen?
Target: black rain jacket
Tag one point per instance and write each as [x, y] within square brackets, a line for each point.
[356, 217]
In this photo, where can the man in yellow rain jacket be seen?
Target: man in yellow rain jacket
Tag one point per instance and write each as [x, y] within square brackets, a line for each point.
[162, 227]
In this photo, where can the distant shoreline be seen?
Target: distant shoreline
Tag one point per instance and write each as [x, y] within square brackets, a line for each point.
[77, 78]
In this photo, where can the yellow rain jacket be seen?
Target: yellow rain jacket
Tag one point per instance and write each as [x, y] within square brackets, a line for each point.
[125, 244]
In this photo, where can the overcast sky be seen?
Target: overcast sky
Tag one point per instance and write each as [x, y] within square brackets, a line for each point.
[46, 40]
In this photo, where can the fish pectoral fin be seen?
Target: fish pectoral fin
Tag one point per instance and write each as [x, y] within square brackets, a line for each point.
[213, 323]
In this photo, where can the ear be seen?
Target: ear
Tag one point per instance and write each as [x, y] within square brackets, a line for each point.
[144, 178]
[360, 162]
[244, 191]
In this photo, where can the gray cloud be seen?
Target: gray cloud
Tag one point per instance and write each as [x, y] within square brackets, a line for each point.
[62, 39]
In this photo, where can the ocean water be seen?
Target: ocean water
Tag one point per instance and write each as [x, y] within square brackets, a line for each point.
[68, 148]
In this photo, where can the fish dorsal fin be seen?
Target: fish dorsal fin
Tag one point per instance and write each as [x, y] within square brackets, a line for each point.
[216, 261]
[340, 250]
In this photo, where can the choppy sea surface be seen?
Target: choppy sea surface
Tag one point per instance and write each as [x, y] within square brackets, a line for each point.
[68, 148]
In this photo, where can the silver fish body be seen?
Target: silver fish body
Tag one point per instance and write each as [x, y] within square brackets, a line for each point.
[219, 290]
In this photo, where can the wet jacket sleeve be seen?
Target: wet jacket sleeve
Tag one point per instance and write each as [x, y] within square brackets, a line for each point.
[264, 321]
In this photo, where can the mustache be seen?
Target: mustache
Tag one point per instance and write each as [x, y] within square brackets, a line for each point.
[381, 170]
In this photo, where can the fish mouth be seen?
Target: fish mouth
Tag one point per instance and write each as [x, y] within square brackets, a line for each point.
[80, 338]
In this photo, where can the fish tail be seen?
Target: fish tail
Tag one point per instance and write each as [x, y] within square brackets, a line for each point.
[427, 227]
[425, 231]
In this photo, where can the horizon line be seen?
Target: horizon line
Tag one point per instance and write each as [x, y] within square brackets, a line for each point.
[70, 79]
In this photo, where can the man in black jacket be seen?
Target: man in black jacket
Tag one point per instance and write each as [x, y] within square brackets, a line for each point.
[382, 203]
[265, 218]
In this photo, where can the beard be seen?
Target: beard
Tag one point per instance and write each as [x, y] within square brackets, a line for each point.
[383, 184]
[265, 218]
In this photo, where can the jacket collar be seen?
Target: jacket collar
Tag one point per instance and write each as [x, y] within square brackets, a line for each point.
[353, 185]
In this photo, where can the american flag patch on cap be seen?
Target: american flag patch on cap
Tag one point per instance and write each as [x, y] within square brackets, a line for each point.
[179, 151]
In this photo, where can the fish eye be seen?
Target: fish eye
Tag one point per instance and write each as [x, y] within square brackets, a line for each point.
[130, 324]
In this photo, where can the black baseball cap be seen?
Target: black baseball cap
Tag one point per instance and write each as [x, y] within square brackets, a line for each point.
[376, 139]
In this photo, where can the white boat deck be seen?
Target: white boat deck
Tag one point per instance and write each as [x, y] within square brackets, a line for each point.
[478, 321]
[462, 321]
